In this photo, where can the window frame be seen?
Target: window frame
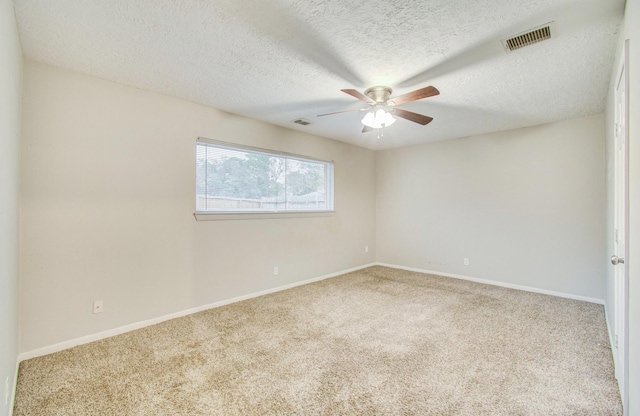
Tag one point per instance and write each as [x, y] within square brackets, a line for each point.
[266, 214]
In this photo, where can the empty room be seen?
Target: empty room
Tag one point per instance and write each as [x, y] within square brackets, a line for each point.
[319, 207]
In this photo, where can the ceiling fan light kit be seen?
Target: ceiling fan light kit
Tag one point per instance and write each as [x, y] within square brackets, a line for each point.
[377, 119]
[379, 114]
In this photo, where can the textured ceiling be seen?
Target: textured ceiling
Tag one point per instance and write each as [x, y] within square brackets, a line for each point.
[279, 60]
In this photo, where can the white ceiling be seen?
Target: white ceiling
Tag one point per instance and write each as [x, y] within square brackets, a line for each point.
[278, 60]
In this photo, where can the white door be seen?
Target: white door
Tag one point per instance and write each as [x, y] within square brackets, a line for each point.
[620, 351]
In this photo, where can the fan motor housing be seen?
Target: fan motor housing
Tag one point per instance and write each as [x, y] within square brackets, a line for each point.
[379, 94]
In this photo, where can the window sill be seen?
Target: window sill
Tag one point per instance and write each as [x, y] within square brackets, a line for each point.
[219, 216]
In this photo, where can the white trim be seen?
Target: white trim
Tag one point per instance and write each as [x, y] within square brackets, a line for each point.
[610, 333]
[227, 215]
[12, 399]
[621, 323]
[498, 283]
[235, 146]
[137, 325]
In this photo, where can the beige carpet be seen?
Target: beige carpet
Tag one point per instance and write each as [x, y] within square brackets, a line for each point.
[378, 341]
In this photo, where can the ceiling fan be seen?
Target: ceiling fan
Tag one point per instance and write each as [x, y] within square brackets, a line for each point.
[382, 108]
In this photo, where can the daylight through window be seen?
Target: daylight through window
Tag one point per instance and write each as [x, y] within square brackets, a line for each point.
[231, 178]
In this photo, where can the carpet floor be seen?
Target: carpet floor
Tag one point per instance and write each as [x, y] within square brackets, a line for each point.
[378, 341]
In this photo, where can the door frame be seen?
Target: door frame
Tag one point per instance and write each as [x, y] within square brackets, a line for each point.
[621, 323]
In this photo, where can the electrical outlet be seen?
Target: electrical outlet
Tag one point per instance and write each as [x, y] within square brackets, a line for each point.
[366, 249]
[466, 261]
[276, 271]
[98, 306]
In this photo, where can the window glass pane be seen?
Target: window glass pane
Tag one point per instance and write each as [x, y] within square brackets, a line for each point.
[241, 180]
[306, 185]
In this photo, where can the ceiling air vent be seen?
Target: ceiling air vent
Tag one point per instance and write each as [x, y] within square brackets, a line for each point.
[529, 37]
[302, 121]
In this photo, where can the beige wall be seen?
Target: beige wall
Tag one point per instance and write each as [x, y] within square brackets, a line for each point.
[10, 106]
[631, 31]
[108, 184]
[108, 194]
[525, 206]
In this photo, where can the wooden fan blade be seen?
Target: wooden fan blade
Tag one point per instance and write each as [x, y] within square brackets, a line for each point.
[415, 95]
[366, 129]
[411, 116]
[359, 96]
[337, 112]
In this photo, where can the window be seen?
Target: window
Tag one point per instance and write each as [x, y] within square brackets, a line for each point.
[238, 179]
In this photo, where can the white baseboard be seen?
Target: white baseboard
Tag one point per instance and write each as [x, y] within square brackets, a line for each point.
[498, 283]
[131, 327]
